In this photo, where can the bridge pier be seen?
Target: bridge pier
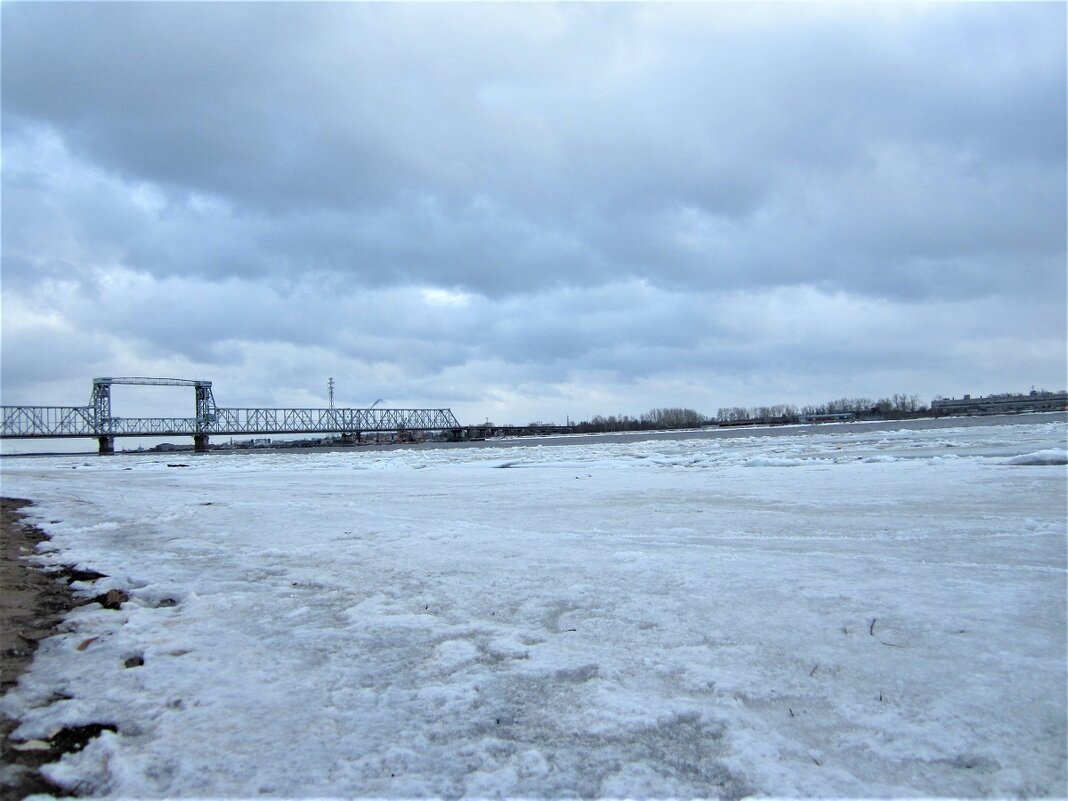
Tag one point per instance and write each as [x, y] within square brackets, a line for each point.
[106, 445]
[200, 443]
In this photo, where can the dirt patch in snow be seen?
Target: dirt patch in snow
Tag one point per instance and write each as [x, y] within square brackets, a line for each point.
[33, 602]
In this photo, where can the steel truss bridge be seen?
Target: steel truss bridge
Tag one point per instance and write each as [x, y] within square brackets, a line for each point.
[96, 420]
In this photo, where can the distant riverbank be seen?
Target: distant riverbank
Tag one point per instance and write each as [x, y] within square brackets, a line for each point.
[917, 424]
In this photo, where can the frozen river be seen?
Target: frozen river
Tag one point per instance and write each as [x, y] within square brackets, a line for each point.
[842, 611]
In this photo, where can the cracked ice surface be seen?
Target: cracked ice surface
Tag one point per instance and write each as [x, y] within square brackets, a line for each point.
[845, 613]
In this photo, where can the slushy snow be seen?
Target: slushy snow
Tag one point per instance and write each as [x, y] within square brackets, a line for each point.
[875, 613]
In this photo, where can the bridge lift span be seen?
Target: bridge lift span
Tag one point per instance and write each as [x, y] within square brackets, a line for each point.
[100, 403]
[96, 420]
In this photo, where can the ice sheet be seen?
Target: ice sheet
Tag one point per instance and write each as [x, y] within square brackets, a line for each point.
[876, 613]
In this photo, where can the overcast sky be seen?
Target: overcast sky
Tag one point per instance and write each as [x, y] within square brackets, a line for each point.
[532, 211]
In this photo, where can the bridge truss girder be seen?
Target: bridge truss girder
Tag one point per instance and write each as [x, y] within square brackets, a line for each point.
[328, 421]
[47, 421]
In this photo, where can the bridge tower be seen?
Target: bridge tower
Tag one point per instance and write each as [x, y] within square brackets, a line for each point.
[100, 405]
[205, 415]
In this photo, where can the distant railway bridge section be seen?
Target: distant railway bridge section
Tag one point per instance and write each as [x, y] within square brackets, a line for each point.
[96, 421]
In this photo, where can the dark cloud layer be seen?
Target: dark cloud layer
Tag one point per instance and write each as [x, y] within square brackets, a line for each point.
[517, 208]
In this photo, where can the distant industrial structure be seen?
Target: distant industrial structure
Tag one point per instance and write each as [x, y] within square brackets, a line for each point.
[1034, 401]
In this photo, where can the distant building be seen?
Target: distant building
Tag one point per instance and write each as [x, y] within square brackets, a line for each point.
[1002, 404]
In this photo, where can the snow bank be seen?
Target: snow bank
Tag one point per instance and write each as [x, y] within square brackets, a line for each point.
[1050, 456]
[779, 461]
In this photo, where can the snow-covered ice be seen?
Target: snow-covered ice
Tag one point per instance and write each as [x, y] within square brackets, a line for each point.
[841, 613]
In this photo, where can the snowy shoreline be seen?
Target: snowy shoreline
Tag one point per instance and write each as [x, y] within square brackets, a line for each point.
[864, 613]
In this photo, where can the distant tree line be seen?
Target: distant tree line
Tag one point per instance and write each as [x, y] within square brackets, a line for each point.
[895, 407]
[653, 420]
